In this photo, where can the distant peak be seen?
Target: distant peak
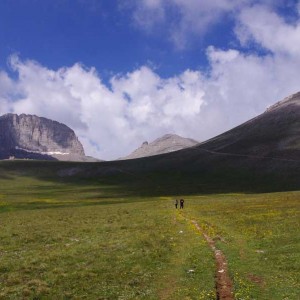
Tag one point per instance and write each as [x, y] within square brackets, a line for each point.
[165, 144]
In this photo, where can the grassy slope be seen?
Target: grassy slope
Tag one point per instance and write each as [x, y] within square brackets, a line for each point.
[100, 237]
[259, 234]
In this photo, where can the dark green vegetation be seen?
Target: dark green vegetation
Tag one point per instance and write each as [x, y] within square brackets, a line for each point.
[68, 233]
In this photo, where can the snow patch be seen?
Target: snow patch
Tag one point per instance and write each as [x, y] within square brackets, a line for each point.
[45, 153]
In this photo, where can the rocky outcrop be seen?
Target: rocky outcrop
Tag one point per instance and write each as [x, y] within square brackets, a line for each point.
[293, 99]
[29, 136]
[165, 144]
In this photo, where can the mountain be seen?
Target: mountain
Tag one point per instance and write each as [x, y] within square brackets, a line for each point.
[165, 144]
[275, 133]
[262, 154]
[29, 136]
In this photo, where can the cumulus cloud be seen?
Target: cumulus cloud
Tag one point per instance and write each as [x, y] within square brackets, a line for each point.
[112, 120]
[182, 19]
[140, 105]
[263, 26]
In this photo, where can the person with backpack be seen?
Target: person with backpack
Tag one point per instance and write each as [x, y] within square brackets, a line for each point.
[181, 203]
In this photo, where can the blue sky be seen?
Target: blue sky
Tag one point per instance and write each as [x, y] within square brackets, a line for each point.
[97, 33]
[121, 72]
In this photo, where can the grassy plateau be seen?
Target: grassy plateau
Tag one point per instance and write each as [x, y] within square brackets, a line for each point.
[95, 238]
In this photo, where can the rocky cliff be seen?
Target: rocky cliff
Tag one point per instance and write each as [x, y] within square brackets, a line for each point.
[29, 136]
[165, 144]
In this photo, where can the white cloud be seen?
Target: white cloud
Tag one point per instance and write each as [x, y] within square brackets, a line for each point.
[140, 105]
[110, 122]
[143, 106]
[265, 27]
[181, 19]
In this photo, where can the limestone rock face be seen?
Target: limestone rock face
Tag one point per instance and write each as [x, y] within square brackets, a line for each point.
[29, 136]
[165, 144]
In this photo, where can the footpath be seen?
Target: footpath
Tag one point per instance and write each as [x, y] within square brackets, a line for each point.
[224, 286]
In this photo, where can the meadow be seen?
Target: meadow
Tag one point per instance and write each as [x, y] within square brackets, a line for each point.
[81, 239]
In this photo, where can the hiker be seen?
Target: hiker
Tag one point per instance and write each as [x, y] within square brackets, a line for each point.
[176, 203]
[181, 203]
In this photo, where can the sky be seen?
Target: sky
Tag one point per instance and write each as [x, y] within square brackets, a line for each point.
[123, 72]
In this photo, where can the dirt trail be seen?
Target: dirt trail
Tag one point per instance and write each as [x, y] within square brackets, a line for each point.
[224, 287]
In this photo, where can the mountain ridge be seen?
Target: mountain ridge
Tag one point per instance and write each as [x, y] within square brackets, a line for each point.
[164, 144]
[260, 155]
[252, 156]
[275, 133]
[292, 99]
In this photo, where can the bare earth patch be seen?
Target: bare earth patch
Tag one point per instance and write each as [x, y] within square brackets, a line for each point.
[223, 281]
[256, 279]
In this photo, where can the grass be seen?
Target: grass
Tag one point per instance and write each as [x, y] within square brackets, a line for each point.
[124, 251]
[260, 236]
[58, 242]
[95, 238]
